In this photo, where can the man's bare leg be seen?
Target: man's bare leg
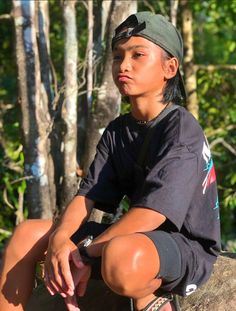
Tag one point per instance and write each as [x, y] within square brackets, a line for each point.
[26, 247]
[130, 265]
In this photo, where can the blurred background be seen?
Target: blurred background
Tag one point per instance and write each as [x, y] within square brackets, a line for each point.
[57, 96]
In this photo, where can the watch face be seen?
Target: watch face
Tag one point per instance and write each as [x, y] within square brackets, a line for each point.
[85, 256]
[88, 241]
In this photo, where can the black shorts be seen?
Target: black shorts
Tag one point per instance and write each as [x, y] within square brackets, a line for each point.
[178, 263]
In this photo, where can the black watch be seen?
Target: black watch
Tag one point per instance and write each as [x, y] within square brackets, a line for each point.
[88, 260]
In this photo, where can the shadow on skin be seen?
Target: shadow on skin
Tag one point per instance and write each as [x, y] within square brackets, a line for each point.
[14, 289]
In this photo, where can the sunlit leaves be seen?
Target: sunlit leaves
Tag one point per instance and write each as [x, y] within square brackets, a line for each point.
[215, 31]
[217, 99]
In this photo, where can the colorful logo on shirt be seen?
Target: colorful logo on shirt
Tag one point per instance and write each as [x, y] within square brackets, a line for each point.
[209, 167]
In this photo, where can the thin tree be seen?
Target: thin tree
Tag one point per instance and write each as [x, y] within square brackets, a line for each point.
[36, 120]
[189, 69]
[47, 95]
[90, 55]
[173, 11]
[69, 108]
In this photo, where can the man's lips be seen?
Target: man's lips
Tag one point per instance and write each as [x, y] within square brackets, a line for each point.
[123, 78]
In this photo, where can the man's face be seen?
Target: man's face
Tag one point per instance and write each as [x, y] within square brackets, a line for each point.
[138, 67]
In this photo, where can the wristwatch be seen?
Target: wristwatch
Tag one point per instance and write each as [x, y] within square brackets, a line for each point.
[88, 260]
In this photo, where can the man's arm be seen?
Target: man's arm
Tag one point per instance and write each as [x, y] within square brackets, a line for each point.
[76, 213]
[137, 219]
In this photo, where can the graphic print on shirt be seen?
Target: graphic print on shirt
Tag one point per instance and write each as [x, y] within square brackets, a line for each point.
[190, 289]
[216, 207]
[209, 167]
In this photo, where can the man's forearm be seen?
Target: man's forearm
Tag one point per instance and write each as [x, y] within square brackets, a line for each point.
[136, 220]
[76, 213]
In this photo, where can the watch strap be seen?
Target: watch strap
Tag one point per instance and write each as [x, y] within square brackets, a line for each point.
[88, 260]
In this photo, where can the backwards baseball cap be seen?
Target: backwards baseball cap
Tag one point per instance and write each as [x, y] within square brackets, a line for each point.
[155, 28]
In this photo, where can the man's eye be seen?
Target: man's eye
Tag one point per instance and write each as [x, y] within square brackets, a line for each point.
[116, 57]
[138, 55]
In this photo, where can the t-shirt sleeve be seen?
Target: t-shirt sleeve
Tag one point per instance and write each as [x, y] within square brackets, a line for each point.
[169, 186]
[100, 184]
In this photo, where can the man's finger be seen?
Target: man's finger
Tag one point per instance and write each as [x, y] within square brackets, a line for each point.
[48, 284]
[71, 303]
[67, 277]
[76, 258]
[81, 289]
[51, 283]
[60, 278]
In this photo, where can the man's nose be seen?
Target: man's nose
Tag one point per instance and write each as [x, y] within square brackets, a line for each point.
[125, 65]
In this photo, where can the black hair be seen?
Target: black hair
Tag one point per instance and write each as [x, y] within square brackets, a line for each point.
[172, 91]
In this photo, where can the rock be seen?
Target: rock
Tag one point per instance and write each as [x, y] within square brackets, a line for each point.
[218, 294]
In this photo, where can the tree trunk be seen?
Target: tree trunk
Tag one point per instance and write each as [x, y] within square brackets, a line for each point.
[69, 109]
[44, 52]
[107, 106]
[35, 115]
[173, 11]
[46, 87]
[217, 294]
[100, 16]
[90, 56]
[189, 69]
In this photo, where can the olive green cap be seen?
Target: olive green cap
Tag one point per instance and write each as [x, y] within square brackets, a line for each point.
[155, 28]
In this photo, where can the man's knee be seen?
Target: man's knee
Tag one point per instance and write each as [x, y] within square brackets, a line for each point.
[116, 264]
[123, 263]
[25, 237]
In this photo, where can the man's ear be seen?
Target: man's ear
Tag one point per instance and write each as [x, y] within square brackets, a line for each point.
[171, 67]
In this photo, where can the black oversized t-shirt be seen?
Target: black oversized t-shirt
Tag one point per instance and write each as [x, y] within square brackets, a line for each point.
[178, 180]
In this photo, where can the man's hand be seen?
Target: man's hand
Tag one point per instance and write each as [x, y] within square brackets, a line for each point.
[81, 274]
[58, 275]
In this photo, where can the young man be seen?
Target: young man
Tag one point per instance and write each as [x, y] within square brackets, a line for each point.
[170, 237]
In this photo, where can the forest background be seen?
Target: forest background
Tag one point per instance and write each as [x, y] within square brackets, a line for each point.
[50, 133]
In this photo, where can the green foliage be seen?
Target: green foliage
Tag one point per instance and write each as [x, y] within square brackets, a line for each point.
[159, 7]
[12, 187]
[8, 80]
[214, 43]
[9, 156]
[214, 31]
[217, 99]
[230, 246]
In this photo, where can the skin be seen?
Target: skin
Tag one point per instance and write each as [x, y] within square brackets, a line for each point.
[130, 262]
[141, 72]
